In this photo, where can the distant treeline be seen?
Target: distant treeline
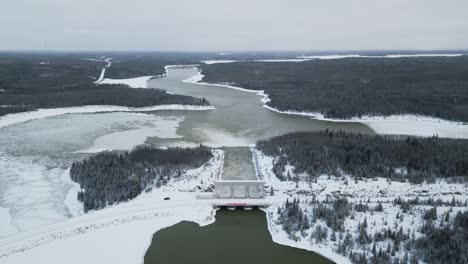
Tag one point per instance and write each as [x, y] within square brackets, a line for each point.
[90, 94]
[363, 156]
[345, 88]
[50, 81]
[109, 177]
[135, 68]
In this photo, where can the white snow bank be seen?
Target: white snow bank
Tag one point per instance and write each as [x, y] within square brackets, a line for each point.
[416, 125]
[218, 61]
[209, 62]
[43, 113]
[284, 60]
[138, 82]
[197, 79]
[405, 124]
[331, 57]
[6, 227]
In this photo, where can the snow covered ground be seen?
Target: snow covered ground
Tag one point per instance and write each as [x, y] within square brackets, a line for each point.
[138, 82]
[6, 227]
[405, 124]
[370, 192]
[218, 61]
[389, 56]
[102, 236]
[334, 57]
[197, 79]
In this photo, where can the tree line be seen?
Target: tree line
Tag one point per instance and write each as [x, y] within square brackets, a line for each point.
[363, 156]
[352, 87]
[28, 83]
[444, 239]
[111, 177]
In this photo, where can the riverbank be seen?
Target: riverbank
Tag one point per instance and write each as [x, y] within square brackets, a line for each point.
[377, 209]
[111, 228]
[334, 57]
[404, 124]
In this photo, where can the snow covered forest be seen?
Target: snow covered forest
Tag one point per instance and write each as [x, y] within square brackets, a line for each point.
[395, 158]
[30, 82]
[435, 232]
[373, 199]
[353, 87]
[111, 177]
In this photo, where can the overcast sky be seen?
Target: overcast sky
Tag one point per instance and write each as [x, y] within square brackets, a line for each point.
[227, 25]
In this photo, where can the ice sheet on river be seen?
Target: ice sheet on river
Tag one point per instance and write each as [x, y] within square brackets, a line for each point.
[161, 127]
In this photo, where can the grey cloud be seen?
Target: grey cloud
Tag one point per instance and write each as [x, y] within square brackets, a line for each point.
[233, 24]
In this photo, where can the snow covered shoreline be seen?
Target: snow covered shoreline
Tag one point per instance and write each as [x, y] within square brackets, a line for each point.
[100, 234]
[369, 192]
[12, 119]
[334, 57]
[404, 124]
[137, 82]
[280, 237]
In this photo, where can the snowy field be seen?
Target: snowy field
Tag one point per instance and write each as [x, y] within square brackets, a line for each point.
[138, 82]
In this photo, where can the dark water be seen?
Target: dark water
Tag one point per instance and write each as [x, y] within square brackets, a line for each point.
[235, 237]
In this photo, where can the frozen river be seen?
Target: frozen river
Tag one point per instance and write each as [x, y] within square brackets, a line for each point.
[35, 155]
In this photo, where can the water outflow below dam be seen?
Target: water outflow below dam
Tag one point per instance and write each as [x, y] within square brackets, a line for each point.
[235, 237]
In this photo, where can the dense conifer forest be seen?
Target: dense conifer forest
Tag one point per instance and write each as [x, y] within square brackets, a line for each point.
[110, 177]
[32, 81]
[363, 156]
[346, 88]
